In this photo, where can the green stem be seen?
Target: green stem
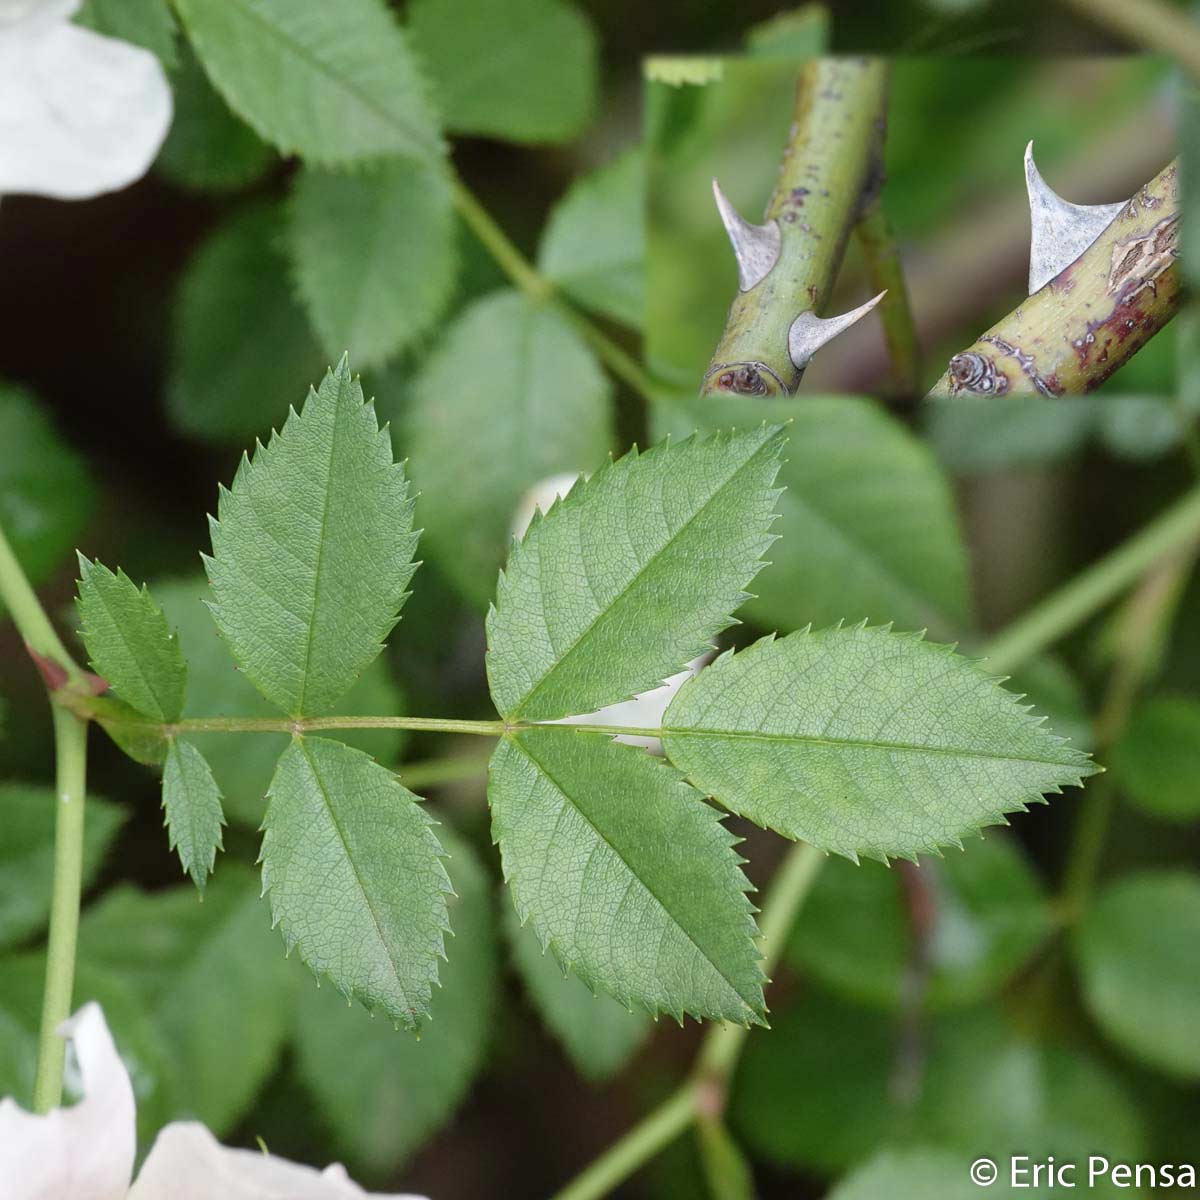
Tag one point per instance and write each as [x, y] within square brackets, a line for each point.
[70, 750]
[320, 724]
[542, 290]
[1141, 635]
[875, 237]
[650, 1135]
[1148, 23]
[1087, 847]
[27, 613]
[498, 244]
[829, 166]
[70, 742]
[623, 365]
[1089, 591]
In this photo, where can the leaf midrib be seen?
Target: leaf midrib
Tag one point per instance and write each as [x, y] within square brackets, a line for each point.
[566, 795]
[637, 577]
[367, 901]
[852, 743]
[302, 52]
[133, 658]
[321, 540]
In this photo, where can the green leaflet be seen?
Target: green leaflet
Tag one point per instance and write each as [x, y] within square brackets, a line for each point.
[208, 148]
[632, 575]
[353, 872]
[989, 914]
[129, 642]
[192, 802]
[1157, 761]
[385, 1095]
[520, 378]
[1136, 950]
[27, 854]
[867, 523]
[599, 1034]
[145, 23]
[863, 741]
[333, 83]
[46, 495]
[210, 977]
[524, 70]
[628, 877]
[593, 244]
[374, 255]
[243, 765]
[312, 550]
[234, 300]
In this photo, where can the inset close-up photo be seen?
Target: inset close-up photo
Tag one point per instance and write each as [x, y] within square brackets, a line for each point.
[991, 226]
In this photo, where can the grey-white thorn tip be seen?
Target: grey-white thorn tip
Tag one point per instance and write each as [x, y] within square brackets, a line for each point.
[756, 247]
[1060, 231]
[808, 332]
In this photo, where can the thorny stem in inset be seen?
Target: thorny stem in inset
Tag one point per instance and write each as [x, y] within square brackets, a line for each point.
[874, 234]
[1092, 317]
[1149, 23]
[831, 168]
[541, 290]
[988, 249]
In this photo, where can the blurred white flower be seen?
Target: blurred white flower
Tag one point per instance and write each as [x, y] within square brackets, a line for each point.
[540, 497]
[80, 114]
[86, 1151]
[645, 710]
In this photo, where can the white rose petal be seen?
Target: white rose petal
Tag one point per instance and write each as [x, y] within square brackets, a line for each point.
[80, 114]
[644, 711]
[14, 12]
[188, 1163]
[84, 1152]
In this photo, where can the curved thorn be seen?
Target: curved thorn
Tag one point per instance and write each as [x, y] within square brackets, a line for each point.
[756, 247]
[808, 332]
[1060, 231]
